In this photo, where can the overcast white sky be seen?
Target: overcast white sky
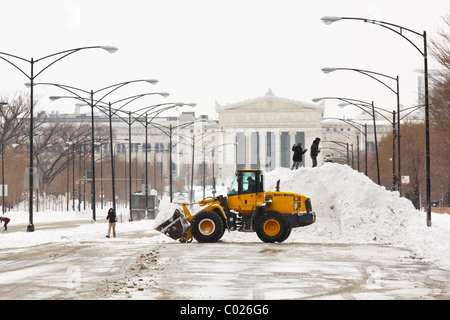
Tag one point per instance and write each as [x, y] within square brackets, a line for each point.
[207, 50]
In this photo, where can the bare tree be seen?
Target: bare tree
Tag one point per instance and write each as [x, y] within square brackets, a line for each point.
[440, 45]
[13, 120]
[439, 111]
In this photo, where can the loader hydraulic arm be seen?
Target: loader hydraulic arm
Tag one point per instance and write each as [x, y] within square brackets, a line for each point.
[187, 213]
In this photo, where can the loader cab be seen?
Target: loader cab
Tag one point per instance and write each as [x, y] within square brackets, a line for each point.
[246, 191]
[246, 181]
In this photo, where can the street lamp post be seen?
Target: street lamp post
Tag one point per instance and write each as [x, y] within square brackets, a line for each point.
[192, 144]
[111, 151]
[145, 123]
[133, 118]
[79, 178]
[37, 166]
[393, 137]
[90, 101]
[31, 77]
[129, 147]
[70, 143]
[376, 143]
[400, 31]
[110, 112]
[3, 170]
[360, 104]
[396, 91]
[100, 144]
[169, 133]
[67, 179]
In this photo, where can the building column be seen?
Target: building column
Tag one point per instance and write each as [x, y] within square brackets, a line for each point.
[277, 134]
[248, 158]
[262, 149]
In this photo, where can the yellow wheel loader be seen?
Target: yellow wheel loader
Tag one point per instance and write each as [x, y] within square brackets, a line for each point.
[247, 208]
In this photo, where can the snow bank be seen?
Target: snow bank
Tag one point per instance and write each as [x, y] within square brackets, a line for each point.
[82, 230]
[351, 208]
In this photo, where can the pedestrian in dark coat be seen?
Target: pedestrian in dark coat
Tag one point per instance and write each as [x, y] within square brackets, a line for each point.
[298, 155]
[111, 217]
[315, 151]
[5, 221]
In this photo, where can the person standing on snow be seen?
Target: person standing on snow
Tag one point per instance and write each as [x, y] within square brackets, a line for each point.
[315, 151]
[298, 155]
[111, 217]
[5, 221]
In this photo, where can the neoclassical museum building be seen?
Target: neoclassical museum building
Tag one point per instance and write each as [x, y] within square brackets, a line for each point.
[259, 133]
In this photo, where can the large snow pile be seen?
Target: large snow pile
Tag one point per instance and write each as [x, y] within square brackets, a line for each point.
[351, 208]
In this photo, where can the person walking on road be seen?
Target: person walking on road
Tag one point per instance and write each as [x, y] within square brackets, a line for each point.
[298, 155]
[5, 221]
[111, 217]
[315, 151]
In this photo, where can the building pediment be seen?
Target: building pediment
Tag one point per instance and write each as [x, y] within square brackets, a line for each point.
[269, 109]
[269, 103]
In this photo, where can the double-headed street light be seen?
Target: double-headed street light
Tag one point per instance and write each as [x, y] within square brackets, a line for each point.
[145, 124]
[31, 77]
[129, 121]
[401, 32]
[93, 103]
[110, 113]
[376, 76]
[361, 104]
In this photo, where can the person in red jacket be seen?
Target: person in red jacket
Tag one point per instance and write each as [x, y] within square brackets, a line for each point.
[5, 221]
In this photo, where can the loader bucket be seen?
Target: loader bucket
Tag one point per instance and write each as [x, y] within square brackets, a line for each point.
[176, 227]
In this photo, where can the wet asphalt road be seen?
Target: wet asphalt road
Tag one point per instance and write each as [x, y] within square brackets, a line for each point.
[259, 271]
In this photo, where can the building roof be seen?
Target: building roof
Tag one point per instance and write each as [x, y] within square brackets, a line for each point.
[269, 98]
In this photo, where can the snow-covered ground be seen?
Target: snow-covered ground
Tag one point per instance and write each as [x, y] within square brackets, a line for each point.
[350, 208]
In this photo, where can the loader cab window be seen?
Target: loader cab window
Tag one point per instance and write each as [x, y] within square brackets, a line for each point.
[234, 188]
[246, 182]
[251, 185]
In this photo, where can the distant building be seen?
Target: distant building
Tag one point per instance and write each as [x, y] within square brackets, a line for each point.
[183, 129]
[433, 74]
[265, 128]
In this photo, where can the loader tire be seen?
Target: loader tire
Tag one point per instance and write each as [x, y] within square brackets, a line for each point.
[207, 226]
[272, 227]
